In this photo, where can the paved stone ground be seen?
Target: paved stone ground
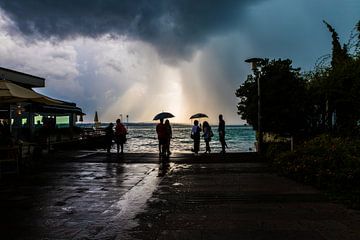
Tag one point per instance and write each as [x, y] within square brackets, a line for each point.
[241, 201]
[91, 196]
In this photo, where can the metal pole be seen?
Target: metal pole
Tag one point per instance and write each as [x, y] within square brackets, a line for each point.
[255, 63]
[9, 123]
[260, 141]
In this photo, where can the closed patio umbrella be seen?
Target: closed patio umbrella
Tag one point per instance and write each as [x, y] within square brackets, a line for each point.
[81, 118]
[96, 118]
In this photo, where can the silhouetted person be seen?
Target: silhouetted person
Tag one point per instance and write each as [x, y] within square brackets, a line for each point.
[109, 136]
[6, 137]
[38, 124]
[195, 135]
[221, 130]
[168, 136]
[2, 134]
[120, 135]
[162, 137]
[208, 134]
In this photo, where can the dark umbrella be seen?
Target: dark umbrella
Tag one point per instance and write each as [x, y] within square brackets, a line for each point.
[163, 115]
[199, 115]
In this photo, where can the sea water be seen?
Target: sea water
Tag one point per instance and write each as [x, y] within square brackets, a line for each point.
[143, 138]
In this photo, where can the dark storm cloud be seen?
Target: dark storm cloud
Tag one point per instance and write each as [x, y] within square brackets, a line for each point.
[174, 27]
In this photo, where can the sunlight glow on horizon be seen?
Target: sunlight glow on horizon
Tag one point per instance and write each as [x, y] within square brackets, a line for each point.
[160, 62]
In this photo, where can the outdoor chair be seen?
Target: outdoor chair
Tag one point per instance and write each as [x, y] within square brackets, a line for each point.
[9, 160]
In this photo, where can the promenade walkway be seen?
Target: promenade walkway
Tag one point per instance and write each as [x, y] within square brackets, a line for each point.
[85, 195]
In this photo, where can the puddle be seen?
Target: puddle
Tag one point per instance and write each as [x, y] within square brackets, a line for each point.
[68, 210]
[178, 184]
[185, 166]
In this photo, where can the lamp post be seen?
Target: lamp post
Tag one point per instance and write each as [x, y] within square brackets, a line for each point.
[254, 66]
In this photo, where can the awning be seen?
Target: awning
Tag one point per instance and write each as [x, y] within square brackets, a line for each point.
[13, 93]
[60, 109]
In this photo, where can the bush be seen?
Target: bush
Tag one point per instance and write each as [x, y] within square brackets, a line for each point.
[330, 163]
[273, 149]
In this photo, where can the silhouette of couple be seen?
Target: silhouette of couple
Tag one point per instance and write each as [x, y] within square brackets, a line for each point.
[164, 133]
[119, 135]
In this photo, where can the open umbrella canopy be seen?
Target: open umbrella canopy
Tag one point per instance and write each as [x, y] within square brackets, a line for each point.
[163, 115]
[199, 115]
[13, 93]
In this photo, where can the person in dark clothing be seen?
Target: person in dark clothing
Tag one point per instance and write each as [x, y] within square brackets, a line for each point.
[208, 134]
[195, 135]
[2, 134]
[221, 130]
[162, 137]
[109, 136]
[168, 136]
[120, 135]
[5, 135]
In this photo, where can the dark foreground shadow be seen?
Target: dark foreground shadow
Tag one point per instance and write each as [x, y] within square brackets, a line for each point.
[164, 165]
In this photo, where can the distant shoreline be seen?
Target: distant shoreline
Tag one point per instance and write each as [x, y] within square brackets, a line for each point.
[154, 124]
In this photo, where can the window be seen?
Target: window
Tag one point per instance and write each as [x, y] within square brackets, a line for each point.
[62, 121]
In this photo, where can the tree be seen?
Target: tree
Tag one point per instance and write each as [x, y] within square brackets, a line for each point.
[335, 88]
[339, 54]
[283, 98]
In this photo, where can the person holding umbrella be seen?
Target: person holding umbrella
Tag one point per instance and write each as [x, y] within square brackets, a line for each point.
[195, 135]
[195, 131]
[162, 137]
[162, 131]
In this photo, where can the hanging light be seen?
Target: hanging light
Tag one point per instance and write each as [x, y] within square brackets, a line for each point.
[19, 109]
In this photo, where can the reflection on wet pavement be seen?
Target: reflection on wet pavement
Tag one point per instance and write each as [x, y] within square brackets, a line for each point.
[142, 196]
[76, 200]
[242, 200]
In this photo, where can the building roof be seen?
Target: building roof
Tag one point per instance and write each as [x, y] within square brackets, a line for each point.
[17, 87]
[22, 79]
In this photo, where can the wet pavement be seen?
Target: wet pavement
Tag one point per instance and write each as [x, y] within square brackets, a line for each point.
[87, 195]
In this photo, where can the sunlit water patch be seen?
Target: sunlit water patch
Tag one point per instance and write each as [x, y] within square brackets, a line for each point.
[143, 138]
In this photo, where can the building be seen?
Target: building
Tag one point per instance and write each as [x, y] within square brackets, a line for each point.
[28, 110]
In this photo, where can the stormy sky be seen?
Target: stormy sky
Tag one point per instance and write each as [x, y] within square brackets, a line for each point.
[143, 57]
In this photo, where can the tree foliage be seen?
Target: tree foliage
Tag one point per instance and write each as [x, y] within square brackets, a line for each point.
[324, 100]
[282, 98]
[335, 89]
[339, 54]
